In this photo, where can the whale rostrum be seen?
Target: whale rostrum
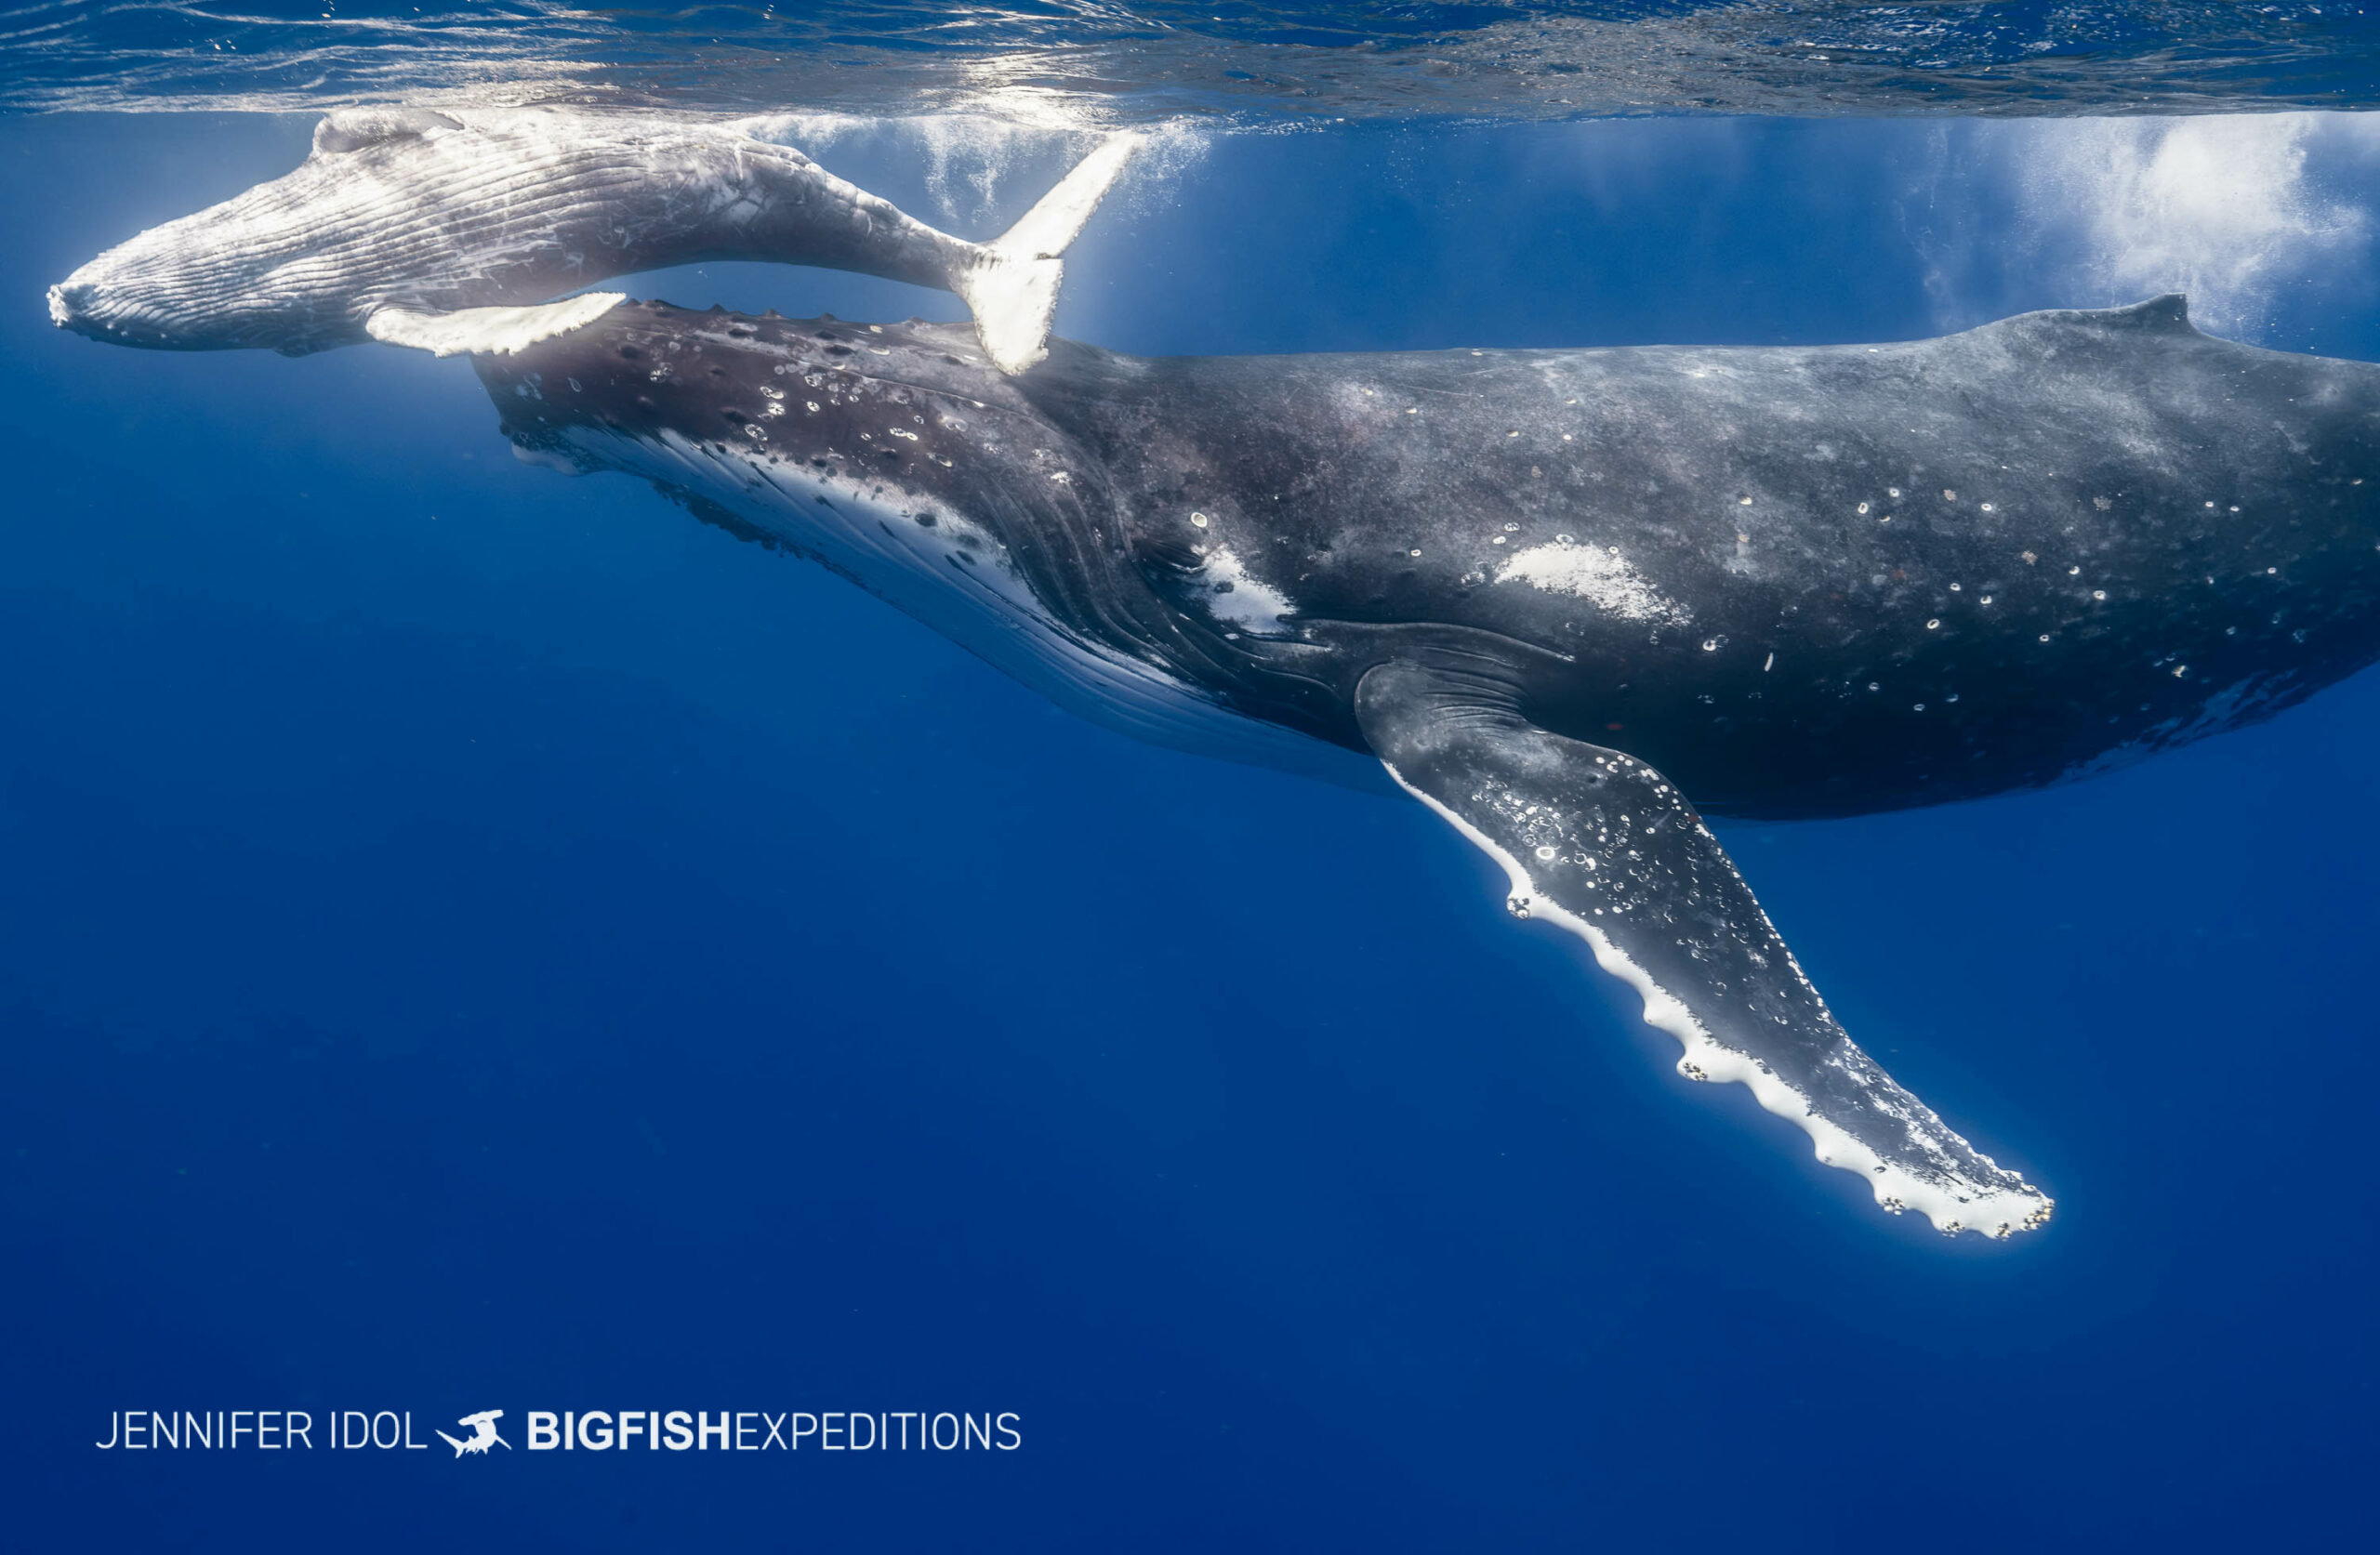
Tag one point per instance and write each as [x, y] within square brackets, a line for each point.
[1564, 598]
[460, 230]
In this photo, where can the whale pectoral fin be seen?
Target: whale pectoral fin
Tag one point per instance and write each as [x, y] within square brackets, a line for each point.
[488, 331]
[1605, 847]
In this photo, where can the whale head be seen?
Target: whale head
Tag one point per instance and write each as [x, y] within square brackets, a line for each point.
[912, 411]
[244, 273]
[275, 267]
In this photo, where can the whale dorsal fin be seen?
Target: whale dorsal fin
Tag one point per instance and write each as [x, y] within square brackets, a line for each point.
[2169, 314]
[1605, 847]
[351, 129]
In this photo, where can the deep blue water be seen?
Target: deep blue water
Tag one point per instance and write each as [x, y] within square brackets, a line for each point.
[473, 939]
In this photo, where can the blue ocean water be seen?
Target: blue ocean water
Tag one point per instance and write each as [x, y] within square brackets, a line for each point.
[472, 939]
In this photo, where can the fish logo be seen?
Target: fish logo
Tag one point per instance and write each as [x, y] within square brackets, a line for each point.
[482, 1435]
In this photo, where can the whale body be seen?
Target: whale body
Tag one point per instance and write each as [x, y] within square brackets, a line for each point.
[1564, 598]
[454, 231]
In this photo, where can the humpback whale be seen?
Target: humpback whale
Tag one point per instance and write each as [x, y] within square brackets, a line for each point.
[1573, 599]
[452, 230]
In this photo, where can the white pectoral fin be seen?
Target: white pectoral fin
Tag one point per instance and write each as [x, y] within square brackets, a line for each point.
[1605, 847]
[488, 331]
[1013, 286]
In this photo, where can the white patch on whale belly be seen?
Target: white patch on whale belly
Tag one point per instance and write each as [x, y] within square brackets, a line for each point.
[1241, 600]
[1597, 574]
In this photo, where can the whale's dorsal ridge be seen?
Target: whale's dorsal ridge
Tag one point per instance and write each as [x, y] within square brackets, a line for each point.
[351, 129]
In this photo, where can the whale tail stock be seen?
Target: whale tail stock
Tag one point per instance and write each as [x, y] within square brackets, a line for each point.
[1012, 285]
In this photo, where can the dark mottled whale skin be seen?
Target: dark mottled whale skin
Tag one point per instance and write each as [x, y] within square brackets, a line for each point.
[1549, 590]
